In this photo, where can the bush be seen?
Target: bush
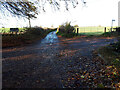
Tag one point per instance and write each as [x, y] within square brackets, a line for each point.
[107, 34]
[117, 29]
[66, 30]
[35, 31]
[30, 35]
[115, 33]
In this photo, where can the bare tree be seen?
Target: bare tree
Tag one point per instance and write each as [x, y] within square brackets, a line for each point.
[30, 9]
[24, 9]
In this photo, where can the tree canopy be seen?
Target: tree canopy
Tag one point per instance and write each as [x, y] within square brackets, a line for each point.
[30, 8]
[21, 8]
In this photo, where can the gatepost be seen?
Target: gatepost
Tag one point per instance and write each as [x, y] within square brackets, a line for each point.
[105, 30]
[77, 31]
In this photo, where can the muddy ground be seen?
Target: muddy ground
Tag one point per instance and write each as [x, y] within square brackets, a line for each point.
[56, 62]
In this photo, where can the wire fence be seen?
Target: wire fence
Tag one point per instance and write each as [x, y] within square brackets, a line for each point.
[97, 30]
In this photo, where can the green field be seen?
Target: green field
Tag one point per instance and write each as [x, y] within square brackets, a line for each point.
[92, 30]
[82, 30]
[7, 30]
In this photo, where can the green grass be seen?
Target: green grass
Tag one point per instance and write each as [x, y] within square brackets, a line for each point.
[110, 55]
[92, 30]
[7, 30]
[91, 33]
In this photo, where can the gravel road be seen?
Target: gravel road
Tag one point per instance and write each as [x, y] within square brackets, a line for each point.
[52, 62]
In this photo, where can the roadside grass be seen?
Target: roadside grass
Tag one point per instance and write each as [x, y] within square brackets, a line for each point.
[111, 54]
[110, 34]
[29, 36]
[111, 57]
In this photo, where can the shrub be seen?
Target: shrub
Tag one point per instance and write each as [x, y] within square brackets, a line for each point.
[117, 29]
[30, 35]
[107, 34]
[34, 31]
[66, 30]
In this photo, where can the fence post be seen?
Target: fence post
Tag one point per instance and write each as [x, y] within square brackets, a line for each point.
[105, 30]
[77, 30]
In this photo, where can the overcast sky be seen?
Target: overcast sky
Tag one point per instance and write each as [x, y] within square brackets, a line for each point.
[96, 12]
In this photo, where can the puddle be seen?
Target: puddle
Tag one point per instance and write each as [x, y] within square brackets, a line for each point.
[51, 38]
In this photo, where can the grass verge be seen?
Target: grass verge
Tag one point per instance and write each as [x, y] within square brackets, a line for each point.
[111, 56]
[111, 53]
[110, 34]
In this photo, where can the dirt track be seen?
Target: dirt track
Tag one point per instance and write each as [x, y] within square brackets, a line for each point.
[51, 62]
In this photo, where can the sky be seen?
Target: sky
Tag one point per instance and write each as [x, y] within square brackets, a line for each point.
[94, 13]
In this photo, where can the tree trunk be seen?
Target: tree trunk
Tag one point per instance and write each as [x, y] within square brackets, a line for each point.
[29, 22]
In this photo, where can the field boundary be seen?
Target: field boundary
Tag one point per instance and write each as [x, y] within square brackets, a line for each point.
[92, 30]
